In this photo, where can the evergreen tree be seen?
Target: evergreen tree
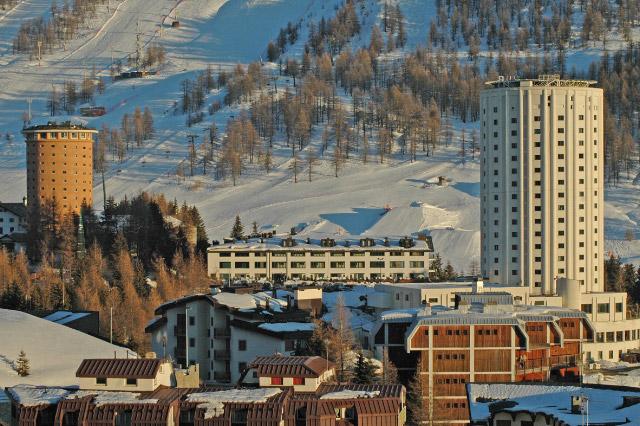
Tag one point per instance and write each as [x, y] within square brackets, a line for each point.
[22, 365]
[254, 228]
[237, 232]
[364, 372]
[437, 273]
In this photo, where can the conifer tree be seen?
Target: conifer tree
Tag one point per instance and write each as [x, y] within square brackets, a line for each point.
[364, 372]
[237, 232]
[22, 364]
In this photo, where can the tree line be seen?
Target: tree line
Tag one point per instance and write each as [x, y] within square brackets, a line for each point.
[129, 259]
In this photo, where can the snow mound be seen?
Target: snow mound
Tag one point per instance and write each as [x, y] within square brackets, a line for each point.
[31, 396]
[54, 351]
[213, 402]
[350, 394]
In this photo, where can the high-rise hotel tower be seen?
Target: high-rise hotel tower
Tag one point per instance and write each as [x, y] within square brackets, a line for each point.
[542, 183]
[60, 165]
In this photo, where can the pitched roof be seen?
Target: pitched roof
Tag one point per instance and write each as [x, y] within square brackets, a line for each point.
[19, 209]
[291, 366]
[119, 367]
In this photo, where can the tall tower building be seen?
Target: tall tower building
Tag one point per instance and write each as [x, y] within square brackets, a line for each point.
[60, 165]
[542, 183]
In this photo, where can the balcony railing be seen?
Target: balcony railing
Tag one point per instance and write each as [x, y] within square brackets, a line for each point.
[222, 376]
[221, 355]
[221, 333]
[179, 352]
[179, 331]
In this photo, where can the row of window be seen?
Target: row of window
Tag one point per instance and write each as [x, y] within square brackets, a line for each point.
[602, 308]
[63, 135]
[322, 253]
[320, 265]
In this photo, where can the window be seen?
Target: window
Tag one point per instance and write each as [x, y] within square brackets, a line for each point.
[192, 342]
[618, 307]
[132, 382]
[101, 381]
[192, 320]
[242, 345]
[239, 417]
[298, 380]
[603, 308]
[276, 380]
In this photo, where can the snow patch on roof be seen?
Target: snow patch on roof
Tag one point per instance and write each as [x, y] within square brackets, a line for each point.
[31, 396]
[213, 402]
[103, 397]
[287, 326]
[350, 394]
[398, 314]
[237, 301]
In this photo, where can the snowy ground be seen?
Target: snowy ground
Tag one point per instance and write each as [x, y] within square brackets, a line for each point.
[223, 33]
[54, 351]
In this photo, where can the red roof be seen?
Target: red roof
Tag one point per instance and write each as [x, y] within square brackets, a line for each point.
[291, 366]
[133, 368]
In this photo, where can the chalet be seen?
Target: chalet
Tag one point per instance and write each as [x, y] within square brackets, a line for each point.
[303, 373]
[125, 374]
[85, 321]
[223, 332]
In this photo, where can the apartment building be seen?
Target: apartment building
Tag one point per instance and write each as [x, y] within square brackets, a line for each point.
[325, 259]
[487, 339]
[13, 226]
[615, 332]
[542, 165]
[285, 404]
[60, 165]
[223, 332]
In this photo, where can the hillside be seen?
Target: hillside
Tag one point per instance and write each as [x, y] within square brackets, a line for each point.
[54, 351]
[394, 198]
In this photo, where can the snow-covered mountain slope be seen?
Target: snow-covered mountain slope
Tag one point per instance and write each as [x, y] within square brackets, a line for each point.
[54, 351]
[222, 33]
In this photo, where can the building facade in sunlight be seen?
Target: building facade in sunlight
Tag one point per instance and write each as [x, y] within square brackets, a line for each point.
[60, 165]
[541, 183]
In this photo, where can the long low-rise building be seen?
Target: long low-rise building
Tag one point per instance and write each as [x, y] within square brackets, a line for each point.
[362, 259]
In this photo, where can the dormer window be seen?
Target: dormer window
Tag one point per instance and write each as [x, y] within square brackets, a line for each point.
[132, 382]
[101, 381]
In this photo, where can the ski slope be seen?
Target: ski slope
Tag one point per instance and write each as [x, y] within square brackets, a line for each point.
[396, 198]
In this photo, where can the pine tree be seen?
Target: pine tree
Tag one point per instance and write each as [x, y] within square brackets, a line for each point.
[437, 274]
[22, 364]
[364, 372]
[237, 232]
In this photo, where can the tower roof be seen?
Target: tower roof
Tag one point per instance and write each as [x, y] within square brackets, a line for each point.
[551, 80]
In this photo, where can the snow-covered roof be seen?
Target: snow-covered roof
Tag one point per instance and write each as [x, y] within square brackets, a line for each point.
[237, 301]
[280, 327]
[605, 405]
[65, 317]
[350, 394]
[31, 396]
[304, 244]
[213, 402]
[103, 397]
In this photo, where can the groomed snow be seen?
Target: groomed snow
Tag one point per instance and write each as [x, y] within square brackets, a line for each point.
[350, 394]
[213, 402]
[54, 351]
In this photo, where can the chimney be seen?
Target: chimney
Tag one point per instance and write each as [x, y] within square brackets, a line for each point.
[24, 200]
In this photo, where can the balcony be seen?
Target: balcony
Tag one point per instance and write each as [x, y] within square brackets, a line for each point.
[222, 376]
[179, 352]
[221, 355]
[221, 333]
[179, 331]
